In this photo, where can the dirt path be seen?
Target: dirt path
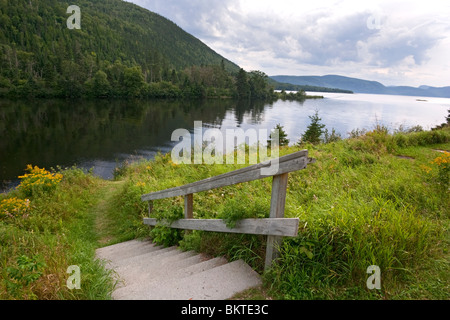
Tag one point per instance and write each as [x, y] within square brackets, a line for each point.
[103, 208]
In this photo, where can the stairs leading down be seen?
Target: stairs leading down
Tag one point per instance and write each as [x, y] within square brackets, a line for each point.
[146, 271]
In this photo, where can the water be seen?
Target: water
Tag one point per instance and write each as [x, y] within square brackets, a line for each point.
[103, 134]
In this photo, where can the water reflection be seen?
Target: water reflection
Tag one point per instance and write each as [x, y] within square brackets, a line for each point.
[103, 134]
[99, 134]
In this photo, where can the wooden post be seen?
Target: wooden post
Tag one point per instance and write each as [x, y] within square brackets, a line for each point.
[189, 206]
[150, 208]
[277, 204]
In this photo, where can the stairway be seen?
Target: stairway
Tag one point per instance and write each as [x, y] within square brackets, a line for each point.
[146, 271]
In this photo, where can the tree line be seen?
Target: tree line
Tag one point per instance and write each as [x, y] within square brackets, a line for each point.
[120, 80]
[121, 50]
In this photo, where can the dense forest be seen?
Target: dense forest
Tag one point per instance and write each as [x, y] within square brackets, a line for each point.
[121, 50]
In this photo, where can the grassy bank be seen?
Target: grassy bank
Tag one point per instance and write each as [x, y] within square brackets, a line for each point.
[56, 230]
[376, 199]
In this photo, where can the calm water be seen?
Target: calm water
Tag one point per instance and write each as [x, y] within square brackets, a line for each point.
[103, 134]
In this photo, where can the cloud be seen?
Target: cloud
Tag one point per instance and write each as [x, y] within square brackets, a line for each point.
[383, 40]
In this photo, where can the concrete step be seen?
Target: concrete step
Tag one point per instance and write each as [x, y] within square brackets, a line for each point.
[153, 281]
[149, 272]
[125, 250]
[218, 283]
[146, 257]
[155, 266]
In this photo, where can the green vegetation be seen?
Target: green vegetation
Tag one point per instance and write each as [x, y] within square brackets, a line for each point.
[377, 199]
[314, 131]
[294, 96]
[121, 50]
[373, 199]
[363, 203]
[282, 137]
[56, 229]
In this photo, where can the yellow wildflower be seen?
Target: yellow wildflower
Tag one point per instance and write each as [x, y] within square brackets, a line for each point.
[14, 206]
[426, 168]
[38, 178]
[140, 184]
[443, 160]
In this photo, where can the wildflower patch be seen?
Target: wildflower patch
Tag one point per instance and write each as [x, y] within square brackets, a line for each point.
[38, 180]
[13, 207]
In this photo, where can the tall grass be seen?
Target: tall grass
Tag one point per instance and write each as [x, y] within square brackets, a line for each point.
[359, 205]
[36, 249]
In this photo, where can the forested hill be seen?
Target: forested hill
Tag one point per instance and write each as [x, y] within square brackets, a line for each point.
[119, 46]
[362, 86]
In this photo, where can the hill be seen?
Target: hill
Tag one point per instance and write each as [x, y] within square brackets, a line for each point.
[295, 87]
[363, 86]
[39, 51]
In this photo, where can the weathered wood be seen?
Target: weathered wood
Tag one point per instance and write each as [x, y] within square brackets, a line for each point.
[189, 206]
[277, 204]
[286, 164]
[278, 200]
[150, 208]
[274, 227]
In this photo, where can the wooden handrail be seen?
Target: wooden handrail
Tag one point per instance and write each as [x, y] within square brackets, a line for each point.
[268, 227]
[275, 227]
[289, 163]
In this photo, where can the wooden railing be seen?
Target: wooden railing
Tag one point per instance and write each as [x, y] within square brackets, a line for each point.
[274, 228]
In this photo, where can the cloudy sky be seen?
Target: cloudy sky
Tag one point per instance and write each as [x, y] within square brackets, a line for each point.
[392, 41]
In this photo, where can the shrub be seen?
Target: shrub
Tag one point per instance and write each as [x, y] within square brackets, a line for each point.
[331, 137]
[237, 209]
[13, 207]
[28, 271]
[163, 235]
[38, 180]
[443, 163]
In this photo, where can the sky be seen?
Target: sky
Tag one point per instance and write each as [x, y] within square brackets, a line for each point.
[395, 42]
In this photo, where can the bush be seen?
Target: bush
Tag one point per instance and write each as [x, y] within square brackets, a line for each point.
[443, 164]
[237, 209]
[163, 235]
[38, 181]
[20, 278]
[13, 207]
[331, 137]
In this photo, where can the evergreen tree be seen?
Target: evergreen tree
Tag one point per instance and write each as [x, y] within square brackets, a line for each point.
[314, 130]
[282, 135]
[258, 85]
[242, 86]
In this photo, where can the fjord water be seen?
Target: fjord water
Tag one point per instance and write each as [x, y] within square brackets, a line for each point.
[102, 134]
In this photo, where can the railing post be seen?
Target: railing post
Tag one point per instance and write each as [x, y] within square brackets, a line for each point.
[277, 204]
[189, 206]
[150, 208]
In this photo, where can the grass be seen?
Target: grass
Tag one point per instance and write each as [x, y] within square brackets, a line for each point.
[360, 204]
[58, 232]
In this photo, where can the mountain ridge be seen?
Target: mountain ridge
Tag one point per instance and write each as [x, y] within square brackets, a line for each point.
[364, 86]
